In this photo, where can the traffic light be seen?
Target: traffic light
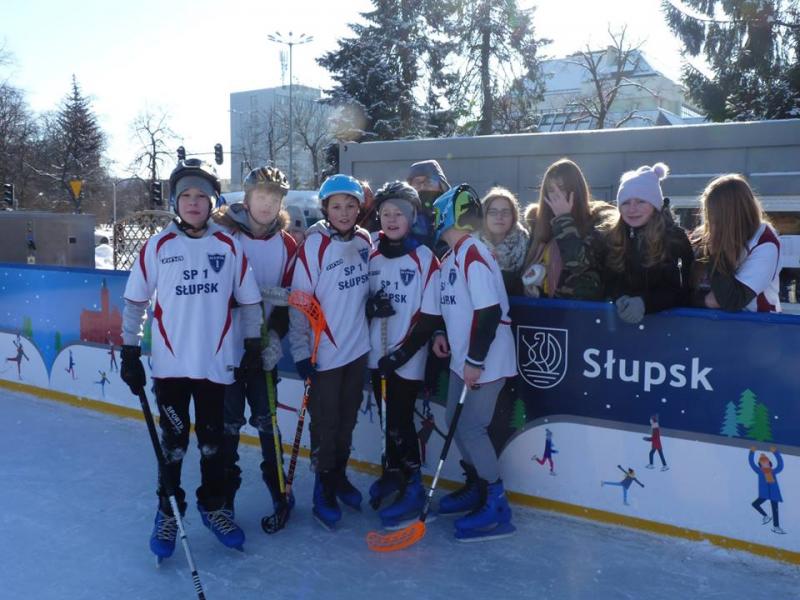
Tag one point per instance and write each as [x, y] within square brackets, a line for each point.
[218, 154]
[8, 194]
[155, 193]
[181, 153]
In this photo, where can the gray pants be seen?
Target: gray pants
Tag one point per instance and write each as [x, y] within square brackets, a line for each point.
[472, 435]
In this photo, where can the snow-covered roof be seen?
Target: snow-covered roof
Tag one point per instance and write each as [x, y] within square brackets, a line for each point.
[566, 74]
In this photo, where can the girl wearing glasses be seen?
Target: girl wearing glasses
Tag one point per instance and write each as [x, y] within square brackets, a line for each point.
[505, 236]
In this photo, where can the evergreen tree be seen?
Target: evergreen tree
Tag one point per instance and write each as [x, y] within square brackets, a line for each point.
[730, 427]
[57, 343]
[72, 145]
[498, 47]
[27, 328]
[747, 405]
[383, 70]
[761, 430]
[752, 48]
[518, 416]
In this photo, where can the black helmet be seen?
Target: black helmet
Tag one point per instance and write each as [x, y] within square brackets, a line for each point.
[266, 176]
[397, 190]
[192, 167]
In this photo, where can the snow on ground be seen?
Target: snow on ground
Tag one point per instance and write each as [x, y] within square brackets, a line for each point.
[78, 502]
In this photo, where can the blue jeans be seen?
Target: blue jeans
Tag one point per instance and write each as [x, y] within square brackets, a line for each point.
[253, 389]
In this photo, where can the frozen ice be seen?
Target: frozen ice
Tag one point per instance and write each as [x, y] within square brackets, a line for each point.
[79, 500]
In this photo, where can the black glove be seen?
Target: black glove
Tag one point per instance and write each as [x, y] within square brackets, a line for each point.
[392, 361]
[251, 361]
[132, 370]
[379, 306]
[305, 369]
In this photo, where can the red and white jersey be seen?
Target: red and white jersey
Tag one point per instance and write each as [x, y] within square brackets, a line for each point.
[272, 262]
[196, 281]
[412, 283]
[337, 273]
[759, 269]
[471, 280]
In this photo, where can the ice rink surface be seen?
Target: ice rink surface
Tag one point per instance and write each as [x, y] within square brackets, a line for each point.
[78, 502]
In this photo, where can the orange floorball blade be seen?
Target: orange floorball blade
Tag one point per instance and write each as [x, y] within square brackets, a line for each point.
[396, 540]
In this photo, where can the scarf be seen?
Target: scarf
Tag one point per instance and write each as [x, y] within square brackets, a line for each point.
[510, 252]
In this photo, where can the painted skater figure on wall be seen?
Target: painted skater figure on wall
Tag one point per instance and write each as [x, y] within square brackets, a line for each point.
[71, 365]
[20, 354]
[549, 450]
[625, 484]
[655, 443]
[102, 383]
[768, 488]
[112, 356]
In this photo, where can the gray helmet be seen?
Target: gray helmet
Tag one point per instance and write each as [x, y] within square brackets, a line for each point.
[397, 190]
[195, 168]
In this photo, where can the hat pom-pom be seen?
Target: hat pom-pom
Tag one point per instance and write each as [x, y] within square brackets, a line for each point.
[661, 170]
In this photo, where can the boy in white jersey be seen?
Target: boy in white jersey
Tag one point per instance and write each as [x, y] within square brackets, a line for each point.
[404, 303]
[259, 225]
[197, 272]
[474, 306]
[332, 265]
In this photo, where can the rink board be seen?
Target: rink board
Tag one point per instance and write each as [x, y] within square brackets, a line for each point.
[719, 384]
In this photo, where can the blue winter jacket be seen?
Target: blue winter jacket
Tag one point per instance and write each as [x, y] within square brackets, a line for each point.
[769, 491]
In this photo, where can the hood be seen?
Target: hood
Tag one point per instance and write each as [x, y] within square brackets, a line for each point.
[234, 218]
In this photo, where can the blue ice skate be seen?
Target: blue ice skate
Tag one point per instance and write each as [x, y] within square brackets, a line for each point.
[464, 499]
[347, 492]
[222, 525]
[490, 521]
[162, 540]
[383, 487]
[326, 509]
[407, 506]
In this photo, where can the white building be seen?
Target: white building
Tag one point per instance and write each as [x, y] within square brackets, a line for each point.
[646, 98]
[260, 131]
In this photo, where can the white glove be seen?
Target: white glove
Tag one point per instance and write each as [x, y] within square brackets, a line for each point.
[273, 352]
[276, 296]
[630, 309]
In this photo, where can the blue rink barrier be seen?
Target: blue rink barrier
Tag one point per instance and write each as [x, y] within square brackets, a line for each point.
[648, 426]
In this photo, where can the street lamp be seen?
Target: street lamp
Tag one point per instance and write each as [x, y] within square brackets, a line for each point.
[290, 41]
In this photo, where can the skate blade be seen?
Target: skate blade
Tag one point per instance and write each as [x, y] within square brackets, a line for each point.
[330, 526]
[403, 523]
[484, 535]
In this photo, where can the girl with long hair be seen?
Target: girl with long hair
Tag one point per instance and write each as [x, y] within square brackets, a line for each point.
[738, 252]
[649, 257]
[565, 259]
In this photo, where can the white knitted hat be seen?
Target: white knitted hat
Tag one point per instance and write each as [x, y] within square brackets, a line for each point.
[643, 184]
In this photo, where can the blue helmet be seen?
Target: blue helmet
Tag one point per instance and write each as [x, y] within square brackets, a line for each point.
[458, 207]
[341, 184]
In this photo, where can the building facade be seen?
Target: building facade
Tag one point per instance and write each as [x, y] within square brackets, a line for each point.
[644, 96]
[260, 131]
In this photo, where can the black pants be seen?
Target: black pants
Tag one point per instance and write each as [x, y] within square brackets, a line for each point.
[334, 402]
[252, 388]
[173, 396]
[402, 443]
[660, 455]
[775, 518]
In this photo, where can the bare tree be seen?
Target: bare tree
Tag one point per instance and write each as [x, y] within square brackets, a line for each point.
[610, 71]
[152, 132]
[313, 125]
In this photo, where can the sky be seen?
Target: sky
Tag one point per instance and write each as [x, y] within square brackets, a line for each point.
[187, 56]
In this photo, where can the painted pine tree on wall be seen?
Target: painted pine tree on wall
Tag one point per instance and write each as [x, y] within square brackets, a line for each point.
[730, 426]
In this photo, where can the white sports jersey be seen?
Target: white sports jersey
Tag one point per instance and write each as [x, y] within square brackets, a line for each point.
[759, 269]
[196, 280]
[272, 262]
[412, 284]
[337, 273]
[471, 280]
